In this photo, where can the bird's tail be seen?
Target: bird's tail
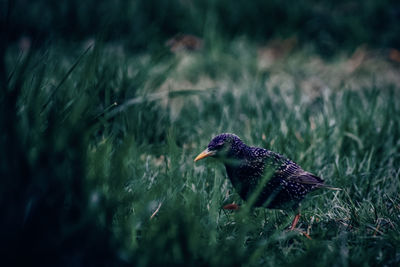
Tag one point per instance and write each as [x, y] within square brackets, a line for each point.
[315, 181]
[321, 183]
[328, 187]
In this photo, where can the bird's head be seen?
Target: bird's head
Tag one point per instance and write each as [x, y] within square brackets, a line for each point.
[221, 146]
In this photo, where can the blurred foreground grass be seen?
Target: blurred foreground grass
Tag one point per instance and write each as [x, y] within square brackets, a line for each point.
[98, 147]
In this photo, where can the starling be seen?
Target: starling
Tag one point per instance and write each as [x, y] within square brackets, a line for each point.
[278, 182]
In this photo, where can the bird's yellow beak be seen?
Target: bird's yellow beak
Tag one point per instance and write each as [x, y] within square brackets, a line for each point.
[206, 153]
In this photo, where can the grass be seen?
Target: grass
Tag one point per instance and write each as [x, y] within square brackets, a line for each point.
[98, 151]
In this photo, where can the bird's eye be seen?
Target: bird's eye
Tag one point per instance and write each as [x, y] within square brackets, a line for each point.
[219, 145]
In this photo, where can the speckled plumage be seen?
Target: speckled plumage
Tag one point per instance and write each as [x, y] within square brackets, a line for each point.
[286, 183]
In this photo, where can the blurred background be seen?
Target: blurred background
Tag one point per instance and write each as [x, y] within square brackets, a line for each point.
[330, 26]
[104, 104]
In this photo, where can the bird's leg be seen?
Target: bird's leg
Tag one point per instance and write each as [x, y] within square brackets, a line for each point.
[296, 218]
[295, 221]
[232, 206]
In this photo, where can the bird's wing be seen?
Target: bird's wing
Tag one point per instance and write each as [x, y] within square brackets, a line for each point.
[293, 172]
[290, 171]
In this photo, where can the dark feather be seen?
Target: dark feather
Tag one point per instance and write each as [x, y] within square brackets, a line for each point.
[246, 166]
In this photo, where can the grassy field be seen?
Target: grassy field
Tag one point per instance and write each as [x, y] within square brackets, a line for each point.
[98, 147]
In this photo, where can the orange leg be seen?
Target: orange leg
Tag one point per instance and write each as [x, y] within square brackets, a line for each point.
[232, 206]
[295, 221]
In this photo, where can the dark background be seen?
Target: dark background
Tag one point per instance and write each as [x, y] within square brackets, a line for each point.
[328, 25]
[76, 173]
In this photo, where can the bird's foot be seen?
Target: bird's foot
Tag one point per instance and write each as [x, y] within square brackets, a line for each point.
[301, 232]
[293, 227]
[295, 221]
[232, 206]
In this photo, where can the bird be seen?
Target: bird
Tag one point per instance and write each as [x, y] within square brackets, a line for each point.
[278, 182]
